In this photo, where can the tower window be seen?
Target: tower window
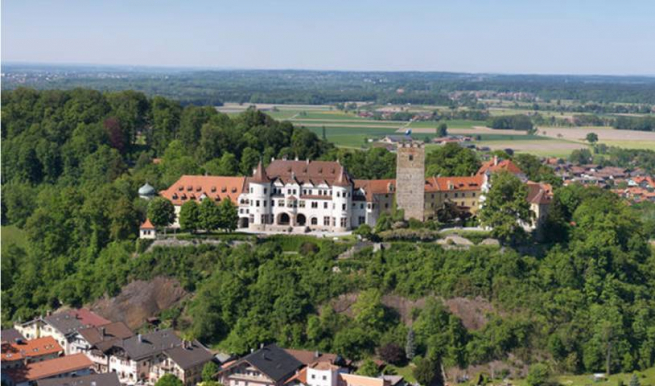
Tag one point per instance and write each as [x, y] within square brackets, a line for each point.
[411, 157]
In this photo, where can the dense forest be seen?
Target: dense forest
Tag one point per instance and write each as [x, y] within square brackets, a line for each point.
[205, 87]
[72, 162]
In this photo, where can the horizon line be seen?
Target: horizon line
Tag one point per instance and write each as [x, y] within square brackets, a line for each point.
[218, 68]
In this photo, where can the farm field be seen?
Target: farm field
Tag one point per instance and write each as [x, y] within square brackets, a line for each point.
[347, 129]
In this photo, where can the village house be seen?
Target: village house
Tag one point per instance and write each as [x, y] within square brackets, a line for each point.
[268, 366]
[107, 379]
[148, 357]
[61, 326]
[21, 352]
[94, 341]
[67, 366]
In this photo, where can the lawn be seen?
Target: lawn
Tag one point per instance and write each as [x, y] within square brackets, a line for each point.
[646, 378]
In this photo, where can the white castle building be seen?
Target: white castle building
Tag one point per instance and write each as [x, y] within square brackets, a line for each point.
[296, 196]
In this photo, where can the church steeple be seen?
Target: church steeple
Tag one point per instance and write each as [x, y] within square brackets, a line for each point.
[342, 179]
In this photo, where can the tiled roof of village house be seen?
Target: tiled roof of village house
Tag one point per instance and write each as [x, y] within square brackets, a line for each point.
[104, 379]
[30, 348]
[539, 193]
[360, 380]
[443, 184]
[313, 172]
[70, 321]
[300, 376]
[215, 187]
[10, 335]
[308, 357]
[45, 369]
[495, 165]
[191, 355]
[111, 331]
[271, 360]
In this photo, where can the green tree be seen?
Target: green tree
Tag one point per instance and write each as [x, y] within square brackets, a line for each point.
[368, 368]
[229, 215]
[249, 159]
[451, 160]
[210, 215]
[410, 347]
[209, 370]
[634, 380]
[538, 375]
[161, 212]
[190, 216]
[506, 208]
[169, 380]
[592, 138]
[442, 130]
[428, 372]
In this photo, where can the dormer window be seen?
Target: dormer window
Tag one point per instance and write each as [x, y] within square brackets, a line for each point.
[223, 189]
[189, 188]
[213, 189]
[180, 188]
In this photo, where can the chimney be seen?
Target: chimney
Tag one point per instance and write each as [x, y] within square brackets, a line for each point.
[495, 160]
[140, 338]
[102, 332]
[317, 354]
[252, 350]
[261, 346]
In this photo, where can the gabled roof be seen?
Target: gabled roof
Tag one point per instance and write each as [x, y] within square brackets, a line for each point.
[10, 335]
[146, 345]
[214, 187]
[495, 165]
[444, 184]
[50, 368]
[109, 332]
[539, 193]
[304, 171]
[193, 354]
[70, 321]
[373, 187]
[307, 357]
[30, 348]
[104, 379]
[273, 361]
[342, 179]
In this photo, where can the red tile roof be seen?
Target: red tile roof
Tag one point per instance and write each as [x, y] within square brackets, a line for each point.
[147, 225]
[314, 172]
[31, 348]
[539, 193]
[372, 187]
[215, 187]
[495, 165]
[50, 368]
[444, 184]
[88, 317]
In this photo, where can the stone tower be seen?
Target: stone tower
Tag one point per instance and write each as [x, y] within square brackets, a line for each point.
[410, 179]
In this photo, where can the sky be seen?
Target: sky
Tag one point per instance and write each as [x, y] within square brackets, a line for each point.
[492, 36]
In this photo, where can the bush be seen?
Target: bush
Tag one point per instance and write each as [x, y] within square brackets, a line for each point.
[539, 375]
[392, 353]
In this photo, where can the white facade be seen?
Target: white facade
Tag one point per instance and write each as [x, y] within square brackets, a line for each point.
[285, 207]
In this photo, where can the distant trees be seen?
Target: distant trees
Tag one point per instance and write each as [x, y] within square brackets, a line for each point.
[592, 138]
[368, 368]
[442, 130]
[506, 208]
[511, 122]
[538, 375]
[428, 372]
